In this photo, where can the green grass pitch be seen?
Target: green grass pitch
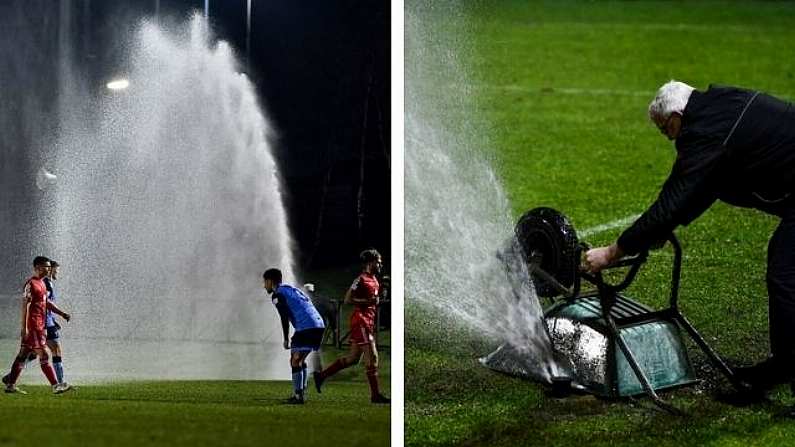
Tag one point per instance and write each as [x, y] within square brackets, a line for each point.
[199, 413]
[564, 89]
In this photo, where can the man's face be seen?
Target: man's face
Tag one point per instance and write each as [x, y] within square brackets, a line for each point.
[670, 127]
[54, 272]
[42, 270]
[268, 285]
[376, 266]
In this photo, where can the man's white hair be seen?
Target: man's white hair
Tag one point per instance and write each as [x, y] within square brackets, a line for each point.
[671, 98]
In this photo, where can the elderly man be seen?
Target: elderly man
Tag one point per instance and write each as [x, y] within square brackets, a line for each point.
[737, 146]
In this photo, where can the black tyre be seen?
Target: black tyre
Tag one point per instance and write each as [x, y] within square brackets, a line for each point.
[548, 240]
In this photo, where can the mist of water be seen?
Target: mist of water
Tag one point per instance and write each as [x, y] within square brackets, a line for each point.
[162, 203]
[457, 215]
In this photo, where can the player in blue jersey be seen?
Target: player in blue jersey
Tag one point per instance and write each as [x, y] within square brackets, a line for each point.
[52, 327]
[295, 308]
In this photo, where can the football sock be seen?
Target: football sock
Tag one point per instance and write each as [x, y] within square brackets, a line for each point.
[304, 376]
[298, 380]
[16, 370]
[372, 378]
[46, 368]
[315, 361]
[57, 364]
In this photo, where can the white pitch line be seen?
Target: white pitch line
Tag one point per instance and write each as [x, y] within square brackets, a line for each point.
[578, 91]
[608, 226]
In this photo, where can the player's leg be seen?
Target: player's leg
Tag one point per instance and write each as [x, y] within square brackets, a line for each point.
[315, 362]
[46, 367]
[54, 343]
[371, 366]
[296, 362]
[304, 372]
[301, 344]
[346, 361]
[313, 356]
[10, 379]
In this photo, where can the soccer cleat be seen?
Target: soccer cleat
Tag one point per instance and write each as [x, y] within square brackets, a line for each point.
[379, 399]
[295, 400]
[318, 381]
[60, 388]
[12, 389]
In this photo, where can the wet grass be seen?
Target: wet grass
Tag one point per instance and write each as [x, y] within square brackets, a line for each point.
[197, 413]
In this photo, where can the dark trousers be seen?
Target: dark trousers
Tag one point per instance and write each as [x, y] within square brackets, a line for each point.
[781, 291]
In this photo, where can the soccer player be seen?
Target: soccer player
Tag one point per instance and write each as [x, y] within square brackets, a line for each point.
[363, 294]
[52, 327]
[34, 309]
[295, 308]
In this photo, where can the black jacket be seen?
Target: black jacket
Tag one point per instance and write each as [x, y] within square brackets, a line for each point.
[735, 145]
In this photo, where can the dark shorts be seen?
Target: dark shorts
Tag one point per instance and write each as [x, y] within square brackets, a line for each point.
[307, 340]
[52, 332]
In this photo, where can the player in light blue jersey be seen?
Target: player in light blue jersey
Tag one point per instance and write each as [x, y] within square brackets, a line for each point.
[52, 326]
[295, 308]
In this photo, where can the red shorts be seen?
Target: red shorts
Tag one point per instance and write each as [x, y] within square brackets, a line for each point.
[36, 339]
[361, 329]
[361, 334]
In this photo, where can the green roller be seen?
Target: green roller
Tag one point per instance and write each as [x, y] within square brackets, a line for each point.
[608, 343]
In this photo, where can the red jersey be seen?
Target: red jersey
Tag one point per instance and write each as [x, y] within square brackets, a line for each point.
[36, 292]
[365, 286]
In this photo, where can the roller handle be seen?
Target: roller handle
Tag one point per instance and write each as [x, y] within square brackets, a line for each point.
[626, 261]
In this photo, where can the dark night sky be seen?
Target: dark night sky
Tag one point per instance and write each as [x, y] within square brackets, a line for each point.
[322, 69]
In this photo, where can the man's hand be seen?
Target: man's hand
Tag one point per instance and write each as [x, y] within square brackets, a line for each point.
[286, 344]
[598, 258]
[67, 316]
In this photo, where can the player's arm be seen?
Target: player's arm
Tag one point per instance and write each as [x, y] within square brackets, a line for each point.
[26, 299]
[51, 306]
[351, 298]
[284, 313]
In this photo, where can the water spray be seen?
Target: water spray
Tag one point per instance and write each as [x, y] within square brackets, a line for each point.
[45, 179]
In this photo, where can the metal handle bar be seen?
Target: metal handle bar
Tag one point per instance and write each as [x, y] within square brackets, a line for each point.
[626, 261]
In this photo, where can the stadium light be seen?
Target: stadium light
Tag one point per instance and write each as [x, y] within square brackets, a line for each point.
[118, 84]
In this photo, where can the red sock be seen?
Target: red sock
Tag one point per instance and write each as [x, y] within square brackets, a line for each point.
[372, 378]
[49, 372]
[16, 370]
[334, 368]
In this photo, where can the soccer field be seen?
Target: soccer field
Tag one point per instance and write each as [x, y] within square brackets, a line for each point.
[559, 92]
[198, 413]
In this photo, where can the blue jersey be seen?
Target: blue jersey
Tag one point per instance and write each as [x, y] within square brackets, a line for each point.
[297, 308]
[50, 322]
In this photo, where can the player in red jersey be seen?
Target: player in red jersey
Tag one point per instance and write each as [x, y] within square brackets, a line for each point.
[33, 334]
[363, 294]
